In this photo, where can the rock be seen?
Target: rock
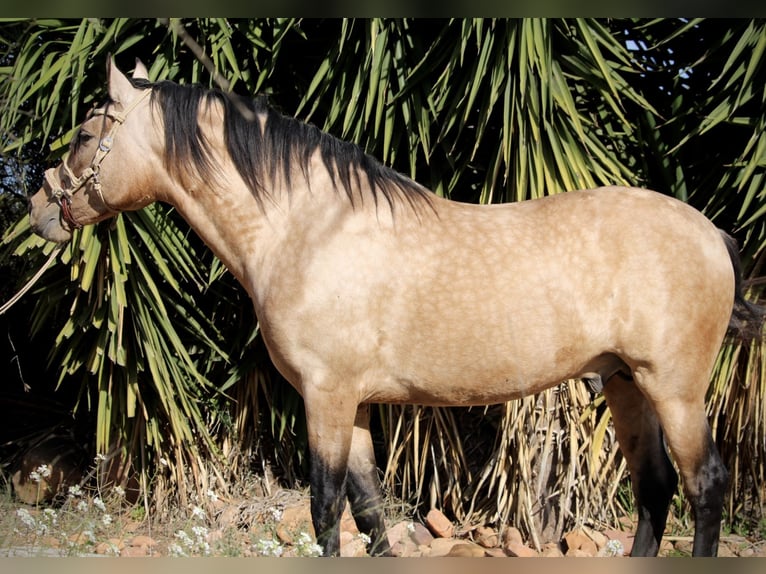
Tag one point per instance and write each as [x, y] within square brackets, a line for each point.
[466, 550]
[351, 546]
[495, 552]
[420, 535]
[108, 549]
[683, 546]
[80, 539]
[295, 519]
[229, 516]
[519, 550]
[760, 550]
[510, 535]
[440, 525]
[400, 540]
[347, 522]
[666, 546]
[134, 552]
[598, 538]
[724, 551]
[142, 540]
[513, 544]
[46, 469]
[747, 552]
[442, 546]
[403, 550]
[486, 537]
[577, 553]
[552, 550]
[577, 540]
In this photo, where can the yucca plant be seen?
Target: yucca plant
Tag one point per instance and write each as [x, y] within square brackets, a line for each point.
[478, 110]
[136, 301]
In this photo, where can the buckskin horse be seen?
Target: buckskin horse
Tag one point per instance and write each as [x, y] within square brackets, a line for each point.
[370, 289]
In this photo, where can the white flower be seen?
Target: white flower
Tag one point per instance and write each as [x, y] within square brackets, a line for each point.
[100, 457]
[106, 519]
[44, 470]
[112, 549]
[276, 513]
[200, 532]
[26, 518]
[614, 548]
[74, 490]
[305, 546]
[268, 548]
[365, 538]
[410, 527]
[82, 506]
[175, 550]
[98, 503]
[212, 496]
[198, 513]
[119, 491]
[34, 476]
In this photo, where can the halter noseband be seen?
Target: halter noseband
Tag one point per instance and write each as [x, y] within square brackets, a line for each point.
[63, 195]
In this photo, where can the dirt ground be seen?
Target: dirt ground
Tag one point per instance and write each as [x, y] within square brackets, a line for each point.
[280, 526]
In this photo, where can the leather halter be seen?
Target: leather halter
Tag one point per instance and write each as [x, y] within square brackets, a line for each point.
[63, 195]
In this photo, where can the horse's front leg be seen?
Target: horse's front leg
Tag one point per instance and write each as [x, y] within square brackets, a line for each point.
[364, 491]
[330, 422]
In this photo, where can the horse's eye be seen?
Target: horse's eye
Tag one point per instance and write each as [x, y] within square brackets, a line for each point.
[83, 137]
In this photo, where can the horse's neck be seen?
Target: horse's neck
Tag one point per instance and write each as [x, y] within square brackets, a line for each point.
[247, 233]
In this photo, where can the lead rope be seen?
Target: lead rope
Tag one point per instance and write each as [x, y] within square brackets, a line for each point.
[12, 301]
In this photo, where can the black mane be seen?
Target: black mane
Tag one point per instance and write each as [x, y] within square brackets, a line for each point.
[283, 143]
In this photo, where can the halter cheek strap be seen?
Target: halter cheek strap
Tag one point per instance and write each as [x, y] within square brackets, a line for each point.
[63, 195]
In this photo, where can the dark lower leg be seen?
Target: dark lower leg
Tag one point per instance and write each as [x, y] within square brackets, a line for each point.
[653, 477]
[367, 509]
[364, 493]
[327, 501]
[713, 479]
[654, 488]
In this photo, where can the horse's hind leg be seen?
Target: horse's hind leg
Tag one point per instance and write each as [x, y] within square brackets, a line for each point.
[704, 475]
[652, 475]
[363, 486]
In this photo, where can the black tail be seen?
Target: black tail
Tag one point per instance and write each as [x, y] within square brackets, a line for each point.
[747, 318]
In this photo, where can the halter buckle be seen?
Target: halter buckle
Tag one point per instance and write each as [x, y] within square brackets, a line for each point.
[105, 144]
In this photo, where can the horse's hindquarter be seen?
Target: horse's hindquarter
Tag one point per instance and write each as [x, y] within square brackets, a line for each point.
[486, 303]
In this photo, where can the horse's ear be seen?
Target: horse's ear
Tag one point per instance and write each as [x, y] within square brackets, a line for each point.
[119, 86]
[140, 72]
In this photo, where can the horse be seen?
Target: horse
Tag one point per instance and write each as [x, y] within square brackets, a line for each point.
[369, 288]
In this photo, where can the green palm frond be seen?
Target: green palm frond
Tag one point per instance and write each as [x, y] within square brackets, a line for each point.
[161, 338]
